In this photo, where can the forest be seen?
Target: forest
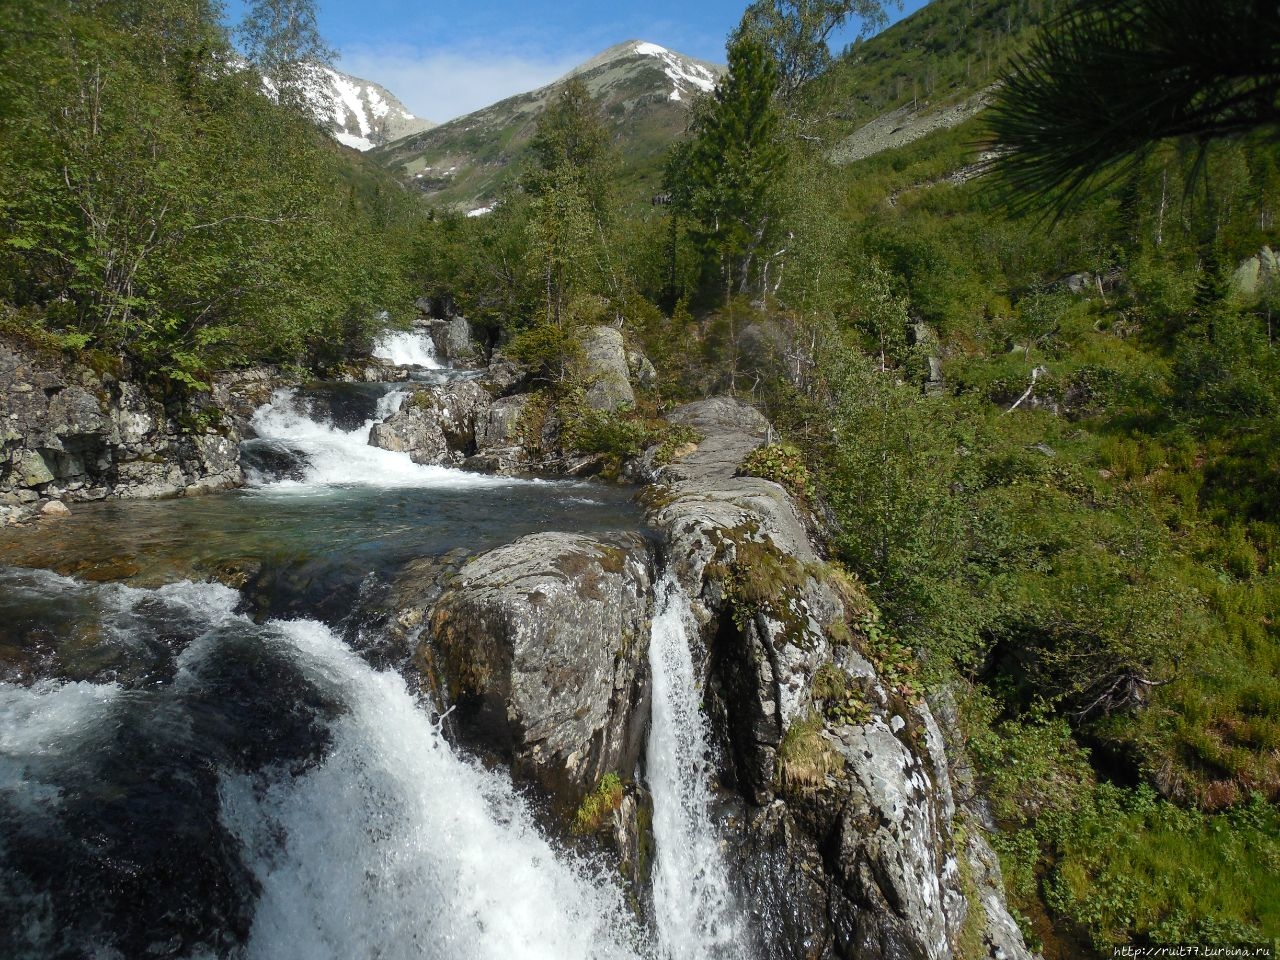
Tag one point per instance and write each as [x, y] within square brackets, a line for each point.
[1035, 409]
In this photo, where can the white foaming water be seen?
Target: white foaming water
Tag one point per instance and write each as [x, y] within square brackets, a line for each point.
[396, 848]
[344, 458]
[407, 349]
[697, 917]
[42, 719]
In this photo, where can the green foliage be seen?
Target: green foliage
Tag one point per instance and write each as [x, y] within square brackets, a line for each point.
[598, 806]
[759, 578]
[784, 465]
[838, 696]
[724, 180]
[796, 32]
[677, 438]
[1109, 80]
[155, 205]
[616, 434]
[1132, 864]
[282, 41]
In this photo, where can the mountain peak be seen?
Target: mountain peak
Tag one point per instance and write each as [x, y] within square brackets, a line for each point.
[358, 113]
[687, 74]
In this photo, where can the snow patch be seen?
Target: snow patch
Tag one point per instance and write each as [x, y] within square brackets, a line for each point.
[350, 140]
[684, 74]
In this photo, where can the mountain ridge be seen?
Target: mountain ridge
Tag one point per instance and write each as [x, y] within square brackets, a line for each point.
[358, 113]
[643, 91]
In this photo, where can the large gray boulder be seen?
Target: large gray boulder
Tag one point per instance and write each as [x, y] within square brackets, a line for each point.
[606, 370]
[436, 425]
[455, 343]
[540, 646]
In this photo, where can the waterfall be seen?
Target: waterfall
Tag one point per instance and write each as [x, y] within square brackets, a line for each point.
[333, 457]
[395, 847]
[407, 349]
[274, 797]
[697, 917]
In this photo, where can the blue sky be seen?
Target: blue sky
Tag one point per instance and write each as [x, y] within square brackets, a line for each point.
[444, 60]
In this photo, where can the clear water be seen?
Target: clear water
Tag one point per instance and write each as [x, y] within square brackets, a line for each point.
[192, 770]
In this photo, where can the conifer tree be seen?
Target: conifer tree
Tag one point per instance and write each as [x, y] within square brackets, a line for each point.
[725, 181]
[1111, 79]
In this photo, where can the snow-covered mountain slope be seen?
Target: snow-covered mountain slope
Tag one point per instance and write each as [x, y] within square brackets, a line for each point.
[643, 92]
[359, 113]
[686, 74]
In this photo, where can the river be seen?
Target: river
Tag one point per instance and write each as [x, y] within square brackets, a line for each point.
[197, 759]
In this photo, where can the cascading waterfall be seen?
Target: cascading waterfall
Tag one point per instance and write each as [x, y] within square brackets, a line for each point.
[187, 782]
[342, 827]
[407, 349]
[395, 847]
[697, 917]
[336, 457]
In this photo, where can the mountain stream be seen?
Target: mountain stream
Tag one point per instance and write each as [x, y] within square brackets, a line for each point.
[192, 770]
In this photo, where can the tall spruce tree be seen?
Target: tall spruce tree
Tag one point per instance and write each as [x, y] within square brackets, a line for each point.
[725, 180]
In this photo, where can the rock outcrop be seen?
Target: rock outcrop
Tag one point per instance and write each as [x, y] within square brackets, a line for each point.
[455, 343]
[1256, 274]
[606, 369]
[436, 425]
[540, 647]
[849, 836]
[75, 433]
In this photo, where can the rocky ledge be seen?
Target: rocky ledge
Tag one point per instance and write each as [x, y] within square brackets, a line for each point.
[833, 769]
[851, 841]
[73, 433]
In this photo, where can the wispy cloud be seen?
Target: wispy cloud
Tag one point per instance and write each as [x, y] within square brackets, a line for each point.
[442, 83]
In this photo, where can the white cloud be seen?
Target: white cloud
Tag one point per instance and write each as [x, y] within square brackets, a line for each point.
[440, 84]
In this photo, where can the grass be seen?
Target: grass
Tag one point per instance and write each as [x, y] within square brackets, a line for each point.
[598, 806]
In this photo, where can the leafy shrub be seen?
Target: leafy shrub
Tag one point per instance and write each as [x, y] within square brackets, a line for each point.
[784, 465]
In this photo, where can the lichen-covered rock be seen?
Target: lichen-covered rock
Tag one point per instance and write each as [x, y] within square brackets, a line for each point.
[436, 425]
[847, 836]
[75, 433]
[500, 426]
[540, 646]
[643, 373]
[605, 369]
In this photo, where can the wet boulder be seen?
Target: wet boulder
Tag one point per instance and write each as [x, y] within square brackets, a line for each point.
[436, 425]
[541, 648]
